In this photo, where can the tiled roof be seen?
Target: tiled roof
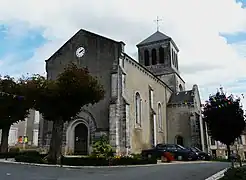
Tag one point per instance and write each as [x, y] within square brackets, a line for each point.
[157, 36]
[181, 97]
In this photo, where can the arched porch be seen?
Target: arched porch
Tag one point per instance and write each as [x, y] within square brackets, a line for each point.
[79, 134]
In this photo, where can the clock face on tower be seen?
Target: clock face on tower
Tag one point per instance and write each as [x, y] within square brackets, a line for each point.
[80, 52]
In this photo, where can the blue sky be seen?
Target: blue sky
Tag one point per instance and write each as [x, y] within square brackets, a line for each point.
[23, 44]
[18, 46]
[238, 37]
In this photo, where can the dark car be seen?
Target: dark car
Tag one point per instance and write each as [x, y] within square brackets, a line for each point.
[179, 152]
[201, 155]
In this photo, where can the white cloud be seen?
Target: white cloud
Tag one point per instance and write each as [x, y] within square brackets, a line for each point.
[193, 24]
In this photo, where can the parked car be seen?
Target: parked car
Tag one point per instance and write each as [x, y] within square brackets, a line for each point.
[201, 155]
[179, 152]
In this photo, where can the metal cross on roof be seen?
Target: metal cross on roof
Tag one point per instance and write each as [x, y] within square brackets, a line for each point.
[157, 23]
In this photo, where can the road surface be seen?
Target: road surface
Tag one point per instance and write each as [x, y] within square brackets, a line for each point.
[185, 171]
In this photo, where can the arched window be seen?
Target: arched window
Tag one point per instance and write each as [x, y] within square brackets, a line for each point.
[160, 117]
[180, 140]
[138, 108]
[173, 60]
[180, 88]
[154, 57]
[146, 58]
[161, 55]
[177, 64]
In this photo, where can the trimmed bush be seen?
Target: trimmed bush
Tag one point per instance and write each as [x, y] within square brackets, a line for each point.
[100, 161]
[14, 150]
[8, 155]
[29, 159]
[235, 174]
[220, 159]
[30, 153]
[30, 156]
[35, 157]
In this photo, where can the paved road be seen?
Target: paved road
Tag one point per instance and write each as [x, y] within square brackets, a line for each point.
[189, 171]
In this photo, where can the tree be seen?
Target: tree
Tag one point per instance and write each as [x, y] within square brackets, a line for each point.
[224, 117]
[61, 100]
[14, 107]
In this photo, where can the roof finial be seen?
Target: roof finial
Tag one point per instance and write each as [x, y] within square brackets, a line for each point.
[157, 23]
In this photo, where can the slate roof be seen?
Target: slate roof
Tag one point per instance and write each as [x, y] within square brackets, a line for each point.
[182, 97]
[157, 36]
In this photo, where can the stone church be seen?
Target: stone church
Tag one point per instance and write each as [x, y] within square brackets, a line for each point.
[146, 101]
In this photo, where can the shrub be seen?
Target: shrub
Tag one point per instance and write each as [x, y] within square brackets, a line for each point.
[136, 155]
[30, 153]
[29, 159]
[8, 155]
[14, 150]
[221, 159]
[102, 148]
[102, 161]
[30, 156]
[235, 174]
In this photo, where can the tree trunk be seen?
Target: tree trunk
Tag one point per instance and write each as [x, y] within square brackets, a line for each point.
[54, 155]
[229, 155]
[5, 139]
[228, 151]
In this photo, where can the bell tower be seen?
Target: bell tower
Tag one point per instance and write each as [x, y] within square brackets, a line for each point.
[159, 54]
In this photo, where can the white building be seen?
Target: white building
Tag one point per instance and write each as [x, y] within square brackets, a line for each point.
[29, 128]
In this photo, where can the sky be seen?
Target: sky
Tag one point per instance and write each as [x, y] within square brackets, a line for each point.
[211, 34]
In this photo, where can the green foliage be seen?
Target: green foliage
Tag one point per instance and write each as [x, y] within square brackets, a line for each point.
[102, 148]
[63, 98]
[30, 157]
[220, 159]
[14, 149]
[235, 174]
[224, 117]
[102, 161]
[14, 106]
[13, 154]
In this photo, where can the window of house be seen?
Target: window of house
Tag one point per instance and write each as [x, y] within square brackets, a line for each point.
[160, 117]
[239, 140]
[138, 108]
[154, 57]
[161, 55]
[146, 58]
[180, 140]
[180, 88]
[176, 60]
[121, 62]
[151, 97]
[123, 81]
[36, 117]
[212, 141]
[173, 61]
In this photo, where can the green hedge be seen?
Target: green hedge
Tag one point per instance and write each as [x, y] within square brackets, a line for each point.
[94, 161]
[35, 157]
[8, 155]
[26, 153]
[220, 159]
[235, 174]
[29, 159]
